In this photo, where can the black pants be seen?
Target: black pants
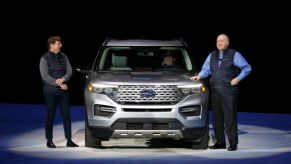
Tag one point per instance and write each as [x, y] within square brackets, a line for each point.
[224, 111]
[52, 100]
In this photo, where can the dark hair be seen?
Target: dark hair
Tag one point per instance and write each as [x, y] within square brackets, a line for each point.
[168, 53]
[52, 40]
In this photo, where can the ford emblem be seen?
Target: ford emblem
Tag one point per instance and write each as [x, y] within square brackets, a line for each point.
[147, 93]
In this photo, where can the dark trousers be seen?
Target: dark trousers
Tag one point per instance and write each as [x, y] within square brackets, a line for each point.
[224, 111]
[52, 100]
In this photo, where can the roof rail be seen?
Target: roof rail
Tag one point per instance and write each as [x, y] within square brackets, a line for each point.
[142, 38]
[181, 40]
[106, 41]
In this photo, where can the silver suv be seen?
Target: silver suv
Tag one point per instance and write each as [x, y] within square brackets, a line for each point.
[142, 88]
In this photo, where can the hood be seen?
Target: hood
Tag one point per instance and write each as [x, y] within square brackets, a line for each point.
[165, 78]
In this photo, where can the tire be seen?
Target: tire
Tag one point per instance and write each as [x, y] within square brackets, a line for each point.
[91, 141]
[203, 143]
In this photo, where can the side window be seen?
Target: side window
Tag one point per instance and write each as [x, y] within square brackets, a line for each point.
[187, 60]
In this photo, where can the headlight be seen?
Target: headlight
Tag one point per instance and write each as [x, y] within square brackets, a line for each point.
[101, 88]
[193, 88]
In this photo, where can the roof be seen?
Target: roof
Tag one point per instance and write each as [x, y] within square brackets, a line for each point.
[143, 42]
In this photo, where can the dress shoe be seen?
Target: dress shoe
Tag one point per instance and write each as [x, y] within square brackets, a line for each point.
[217, 146]
[71, 144]
[232, 148]
[50, 144]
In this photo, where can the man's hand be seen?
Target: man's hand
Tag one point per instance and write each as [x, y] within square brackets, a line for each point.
[60, 81]
[234, 82]
[64, 87]
[195, 78]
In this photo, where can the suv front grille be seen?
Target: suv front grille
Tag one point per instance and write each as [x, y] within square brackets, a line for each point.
[131, 94]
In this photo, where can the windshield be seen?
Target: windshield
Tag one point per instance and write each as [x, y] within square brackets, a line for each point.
[144, 59]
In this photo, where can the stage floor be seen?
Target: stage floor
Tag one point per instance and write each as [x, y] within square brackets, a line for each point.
[263, 138]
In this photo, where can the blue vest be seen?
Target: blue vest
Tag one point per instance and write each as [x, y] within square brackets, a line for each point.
[222, 75]
[56, 68]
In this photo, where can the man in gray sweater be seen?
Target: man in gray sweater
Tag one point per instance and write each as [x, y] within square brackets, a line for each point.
[55, 70]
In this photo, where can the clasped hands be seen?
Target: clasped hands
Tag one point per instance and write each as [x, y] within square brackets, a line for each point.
[60, 83]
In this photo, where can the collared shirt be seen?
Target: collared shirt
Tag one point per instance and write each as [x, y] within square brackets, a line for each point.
[238, 60]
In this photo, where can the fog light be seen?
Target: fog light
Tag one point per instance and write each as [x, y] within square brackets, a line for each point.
[104, 111]
[189, 111]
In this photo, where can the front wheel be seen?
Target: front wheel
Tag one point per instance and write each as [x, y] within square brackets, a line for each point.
[203, 143]
[91, 141]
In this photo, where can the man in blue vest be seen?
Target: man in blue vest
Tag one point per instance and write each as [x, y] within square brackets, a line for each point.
[227, 68]
[55, 70]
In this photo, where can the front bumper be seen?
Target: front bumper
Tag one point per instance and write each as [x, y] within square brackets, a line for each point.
[167, 123]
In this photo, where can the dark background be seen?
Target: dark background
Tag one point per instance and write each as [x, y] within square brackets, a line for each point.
[260, 32]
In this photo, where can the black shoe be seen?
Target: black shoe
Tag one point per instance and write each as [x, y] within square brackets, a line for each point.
[232, 148]
[217, 146]
[50, 144]
[71, 144]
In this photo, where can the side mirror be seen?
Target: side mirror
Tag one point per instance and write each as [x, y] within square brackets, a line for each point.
[85, 70]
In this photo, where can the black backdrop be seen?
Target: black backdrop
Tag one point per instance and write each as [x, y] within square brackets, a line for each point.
[260, 34]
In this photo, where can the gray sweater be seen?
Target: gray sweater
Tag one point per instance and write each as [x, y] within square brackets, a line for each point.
[43, 67]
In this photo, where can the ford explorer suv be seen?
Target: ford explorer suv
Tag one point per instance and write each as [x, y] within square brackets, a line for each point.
[142, 89]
